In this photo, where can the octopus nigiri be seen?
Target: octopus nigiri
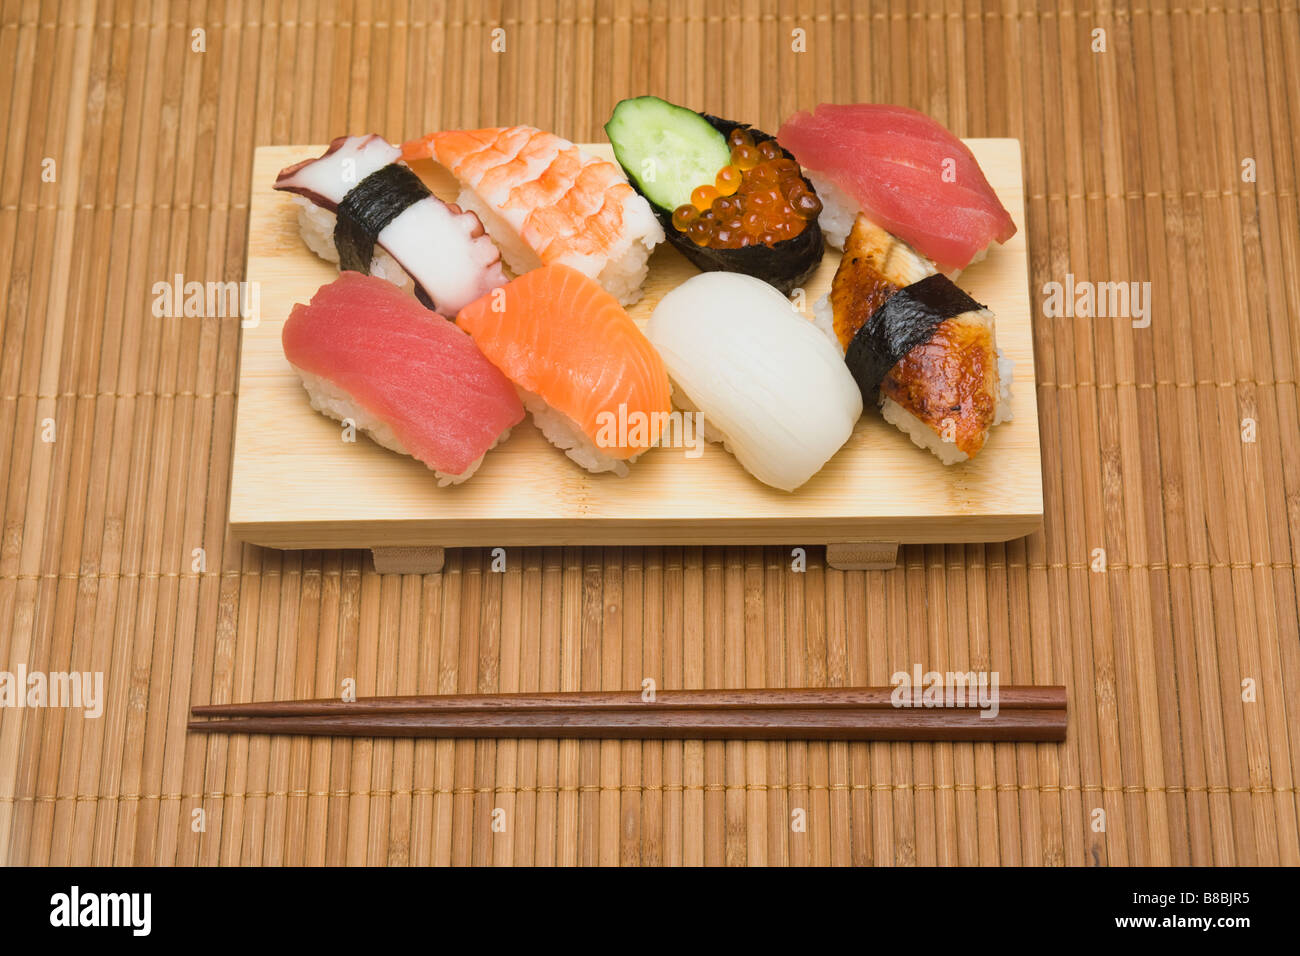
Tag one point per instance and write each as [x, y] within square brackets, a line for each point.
[371, 214]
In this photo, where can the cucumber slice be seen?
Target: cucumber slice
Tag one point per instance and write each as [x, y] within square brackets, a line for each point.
[666, 150]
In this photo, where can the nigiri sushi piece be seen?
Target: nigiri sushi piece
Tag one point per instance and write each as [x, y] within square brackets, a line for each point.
[593, 382]
[417, 384]
[917, 345]
[906, 172]
[545, 201]
[773, 390]
[729, 197]
[368, 212]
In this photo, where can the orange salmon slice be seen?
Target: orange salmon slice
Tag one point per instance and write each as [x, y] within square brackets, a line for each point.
[558, 334]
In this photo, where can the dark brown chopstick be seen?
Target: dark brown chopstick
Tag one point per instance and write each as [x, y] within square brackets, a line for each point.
[1024, 714]
[1009, 698]
[786, 724]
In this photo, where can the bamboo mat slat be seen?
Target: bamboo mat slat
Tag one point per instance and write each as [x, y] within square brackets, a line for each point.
[1182, 657]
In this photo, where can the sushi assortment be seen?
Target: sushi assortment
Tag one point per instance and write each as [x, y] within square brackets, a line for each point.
[428, 344]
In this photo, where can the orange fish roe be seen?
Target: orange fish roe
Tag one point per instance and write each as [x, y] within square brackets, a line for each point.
[739, 136]
[728, 180]
[761, 198]
[684, 215]
[703, 197]
[744, 158]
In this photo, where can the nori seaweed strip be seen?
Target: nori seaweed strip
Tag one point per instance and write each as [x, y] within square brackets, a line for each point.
[370, 206]
[908, 318]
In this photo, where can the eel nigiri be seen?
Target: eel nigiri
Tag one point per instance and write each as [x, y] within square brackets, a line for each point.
[417, 384]
[369, 213]
[906, 172]
[594, 384]
[771, 389]
[917, 345]
[545, 201]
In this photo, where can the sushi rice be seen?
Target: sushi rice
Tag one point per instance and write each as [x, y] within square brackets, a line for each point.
[328, 399]
[838, 209]
[563, 432]
[922, 435]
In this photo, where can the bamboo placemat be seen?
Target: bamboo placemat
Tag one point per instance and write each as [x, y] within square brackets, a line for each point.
[1181, 656]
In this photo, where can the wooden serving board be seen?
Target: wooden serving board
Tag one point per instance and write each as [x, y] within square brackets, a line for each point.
[297, 484]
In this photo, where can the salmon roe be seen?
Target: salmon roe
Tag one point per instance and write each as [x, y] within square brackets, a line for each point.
[759, 198]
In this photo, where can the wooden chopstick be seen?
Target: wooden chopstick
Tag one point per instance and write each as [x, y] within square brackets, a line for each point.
[1033, 713]
[1014, 697]
[785, 724]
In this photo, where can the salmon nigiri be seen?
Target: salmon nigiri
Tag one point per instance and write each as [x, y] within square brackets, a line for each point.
[595, 385]
[543, 200]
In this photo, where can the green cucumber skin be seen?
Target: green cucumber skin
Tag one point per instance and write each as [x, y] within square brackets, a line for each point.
[637, 128]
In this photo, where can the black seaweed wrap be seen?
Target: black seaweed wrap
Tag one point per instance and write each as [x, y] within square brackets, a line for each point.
[370, 206]
[908, 318]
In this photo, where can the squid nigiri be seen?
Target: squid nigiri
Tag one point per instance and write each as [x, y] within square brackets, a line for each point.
[545, 201]
[770, 388]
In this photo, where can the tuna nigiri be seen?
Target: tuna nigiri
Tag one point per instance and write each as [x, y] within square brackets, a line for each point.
[594, 384]
[545, 201]
[416, 383]
[363, 209]
[906, 172]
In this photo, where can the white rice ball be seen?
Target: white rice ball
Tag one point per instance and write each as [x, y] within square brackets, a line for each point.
[563, 432]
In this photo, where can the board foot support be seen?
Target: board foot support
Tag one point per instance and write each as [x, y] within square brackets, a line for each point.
[408, 560]
[862, 555]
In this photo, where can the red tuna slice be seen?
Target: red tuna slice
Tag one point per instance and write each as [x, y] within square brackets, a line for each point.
[890, 160]
[412, 369]
[903, 197]
[897, 124]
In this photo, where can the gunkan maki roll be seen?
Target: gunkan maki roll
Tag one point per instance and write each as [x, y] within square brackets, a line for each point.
[728, 196]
